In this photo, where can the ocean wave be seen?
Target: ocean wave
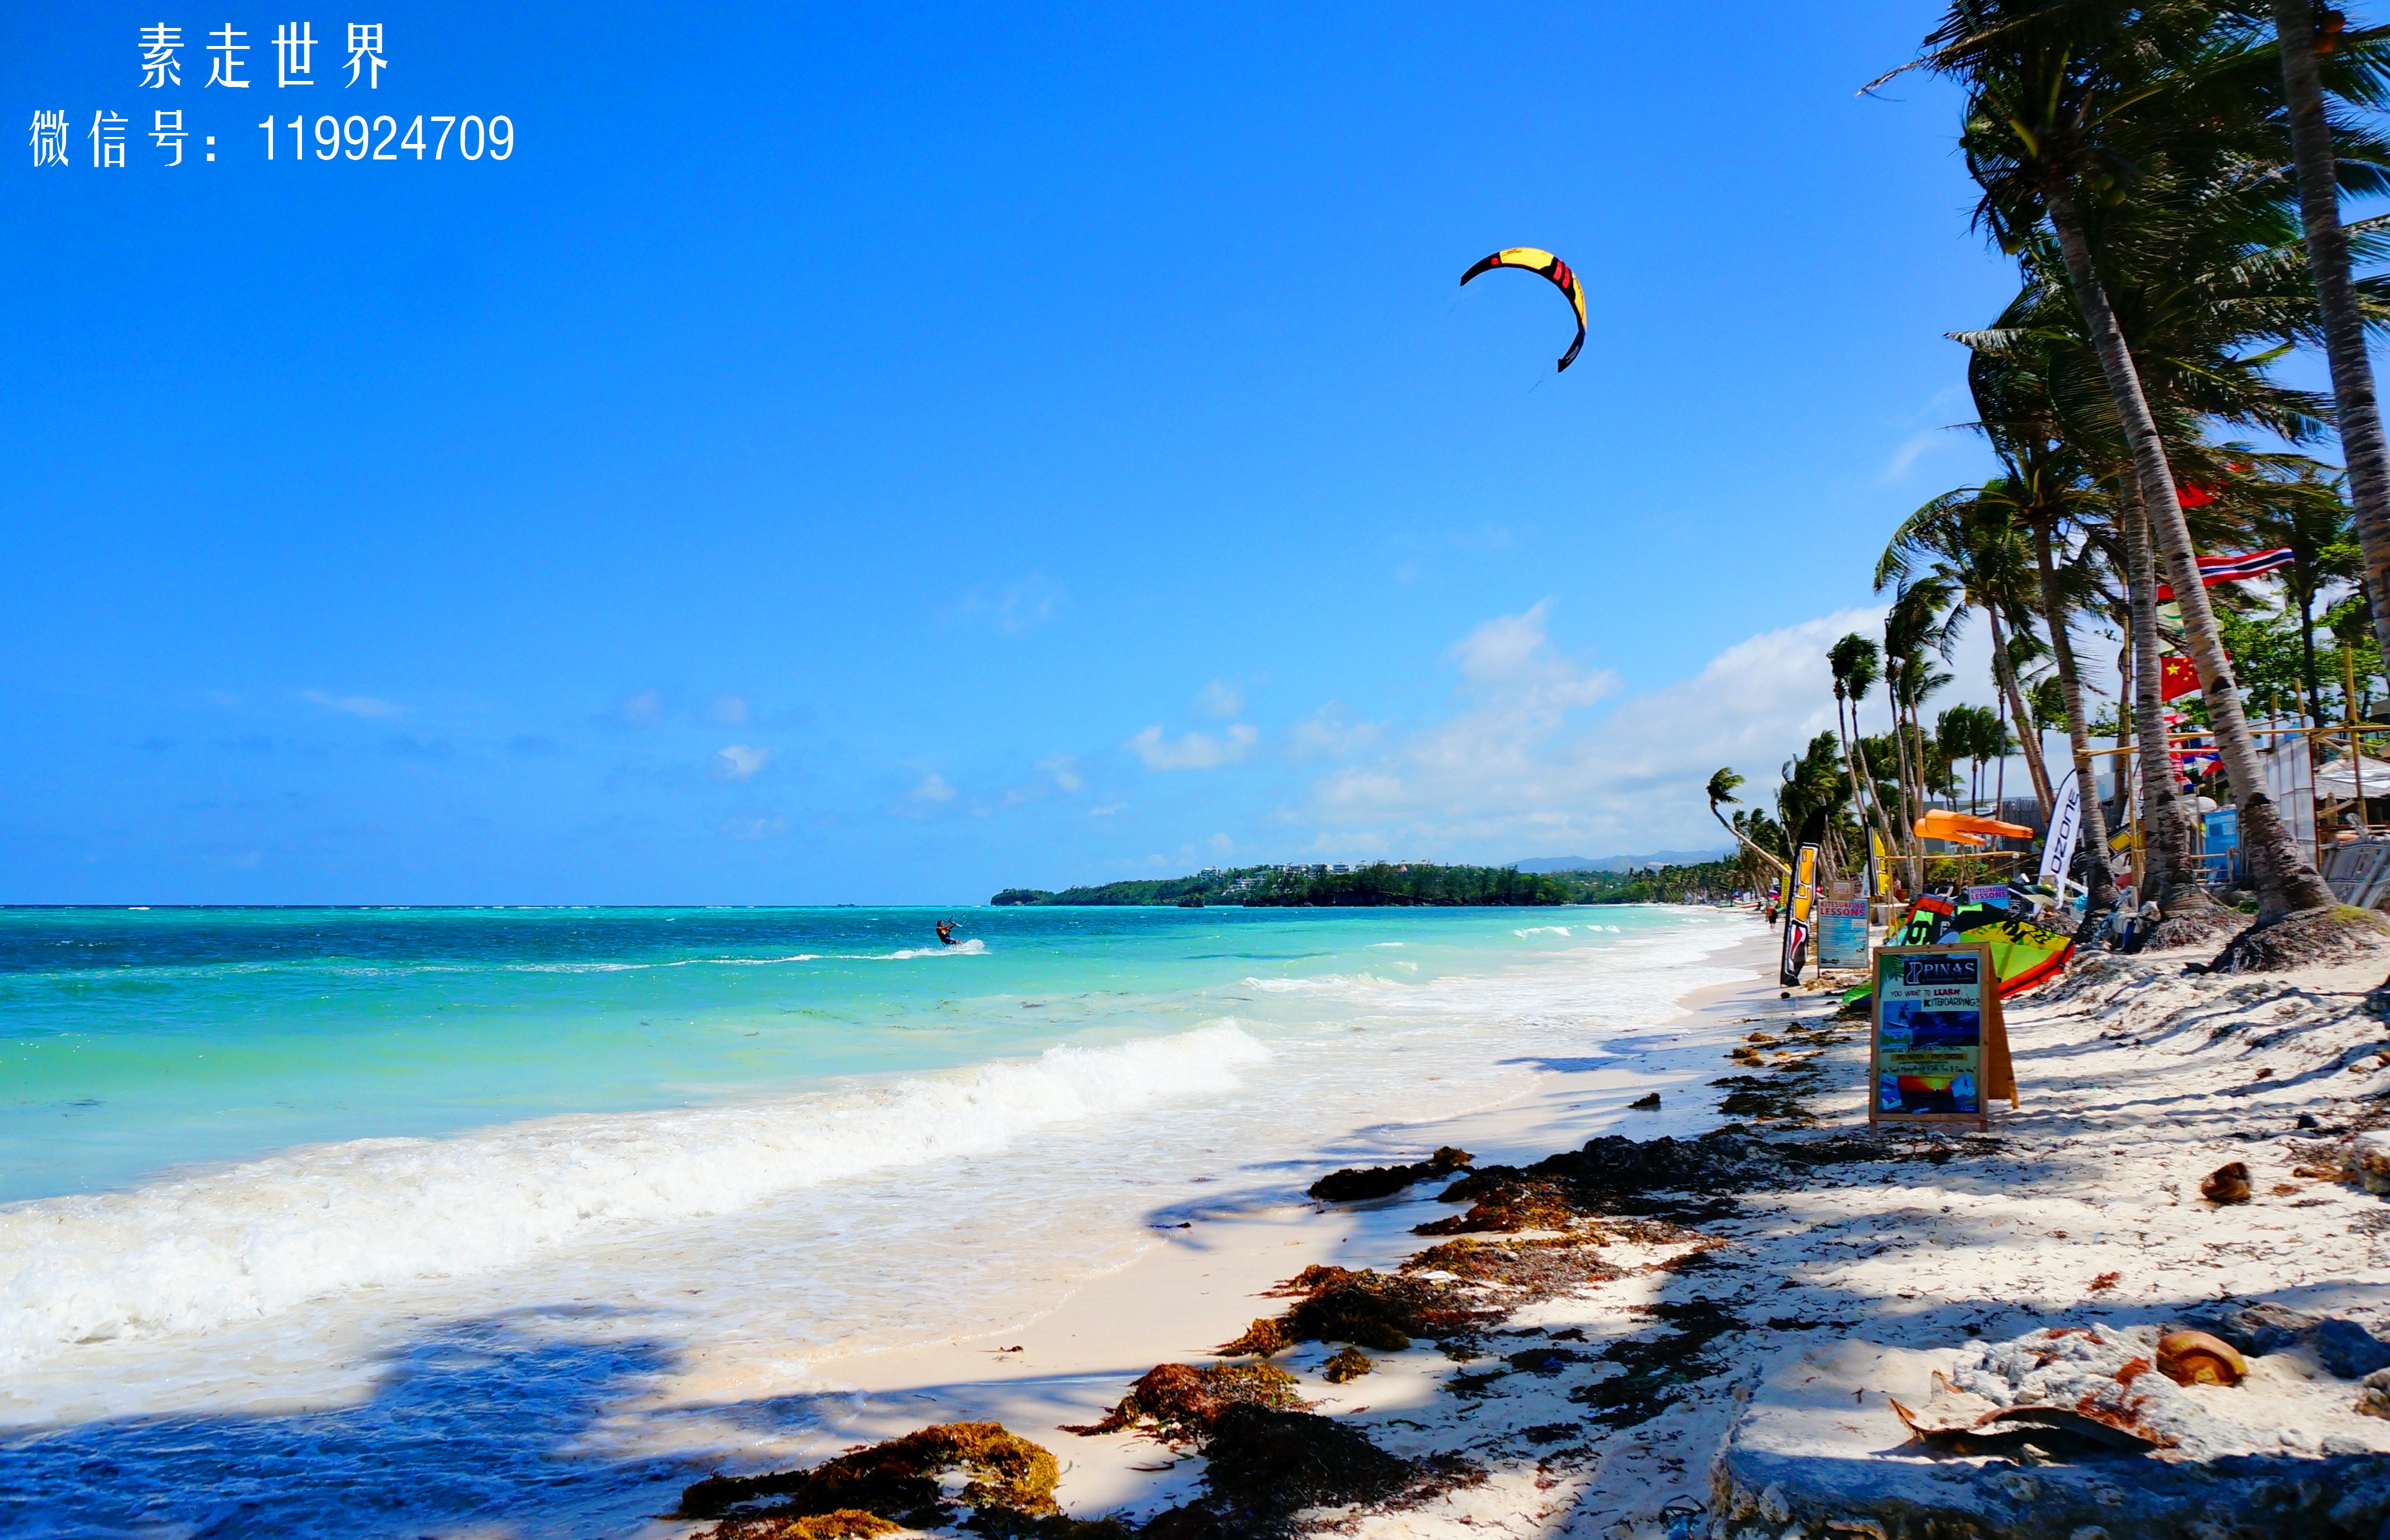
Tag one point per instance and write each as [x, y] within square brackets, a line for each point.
[1549, 931]
[1325, 983]
[254, 1239]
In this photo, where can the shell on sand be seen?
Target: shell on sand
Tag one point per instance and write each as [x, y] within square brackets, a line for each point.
[2195, 1358]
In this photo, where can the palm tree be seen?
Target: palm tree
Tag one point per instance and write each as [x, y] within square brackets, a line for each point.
[1853, 662]
[2066, 103]
[2357, 416]
[1982, 555]
[1721, 790]
[1913, 635]
[2047, 483]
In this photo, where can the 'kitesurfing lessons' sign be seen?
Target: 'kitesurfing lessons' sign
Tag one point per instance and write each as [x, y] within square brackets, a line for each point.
[1939, 1050]
[1841, 932]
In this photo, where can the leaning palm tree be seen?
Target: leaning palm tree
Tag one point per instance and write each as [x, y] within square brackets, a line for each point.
[1721, 790]
[2067, 104]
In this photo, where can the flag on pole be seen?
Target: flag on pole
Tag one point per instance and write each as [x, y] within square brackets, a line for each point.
[2213, 569]
[2066, 829]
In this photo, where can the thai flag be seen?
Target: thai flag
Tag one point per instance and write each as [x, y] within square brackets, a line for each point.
[2213, 569]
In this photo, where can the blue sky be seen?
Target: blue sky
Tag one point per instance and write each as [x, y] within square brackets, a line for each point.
[886, 455]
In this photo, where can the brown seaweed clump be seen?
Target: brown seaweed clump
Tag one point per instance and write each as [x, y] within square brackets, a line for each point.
[1655, 1372]
[1613, 1174]
[897, 1480]
[1266, 1337]
[1355, 1184]
[1504, 1204]
[1379, 1310]
[1182, 1401]
[1545, 1269]
[1345, 1364]
[847, 1523]
[1263, 1467]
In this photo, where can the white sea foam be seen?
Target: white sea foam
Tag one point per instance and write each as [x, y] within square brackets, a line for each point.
[1551, 929]
[253, 1240]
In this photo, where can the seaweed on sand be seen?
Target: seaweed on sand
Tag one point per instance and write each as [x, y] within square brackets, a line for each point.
[1183, 1402]
[1654, 1369]
[1543, 1268]
[1369, 1309]
[1347, 1364]
[1610, 1175]
[896, 1480]
[1355, 1184]
[847, 1523]
[1266, 1465]
[1778, 1097]
[1503, 1204]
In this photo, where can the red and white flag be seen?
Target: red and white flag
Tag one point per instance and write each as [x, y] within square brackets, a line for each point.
[2213, 569]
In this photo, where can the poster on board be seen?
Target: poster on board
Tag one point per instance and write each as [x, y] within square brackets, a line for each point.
[1800, 909]
[1938, 1046]
[1843, 932]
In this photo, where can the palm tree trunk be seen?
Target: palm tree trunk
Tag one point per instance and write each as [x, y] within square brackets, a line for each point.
[2028, 741]
[1768, 856]
[2286, 879]
[2166, 873]
[2078, 731]
[2359, 417]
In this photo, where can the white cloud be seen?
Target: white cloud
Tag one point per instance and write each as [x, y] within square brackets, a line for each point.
[1514, 773]
[1064, 772]
[1017, 607]
[1107, 810]
[1906, 455]
[730, 711]
[355, 705]
[643, 710]
[1221, 698]
[1330, 732]
[933, 789]
[1196, 750]
[739, 762]
[1222, 843]
[755, 829]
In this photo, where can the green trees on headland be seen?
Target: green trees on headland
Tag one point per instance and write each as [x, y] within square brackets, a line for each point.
[1405, 884]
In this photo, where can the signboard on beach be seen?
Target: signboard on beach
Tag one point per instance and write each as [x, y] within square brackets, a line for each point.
[1938, 1049]
[1843, 932]
[1799, 907]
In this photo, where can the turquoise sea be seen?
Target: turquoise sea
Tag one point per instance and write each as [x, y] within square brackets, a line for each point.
[280, 1188]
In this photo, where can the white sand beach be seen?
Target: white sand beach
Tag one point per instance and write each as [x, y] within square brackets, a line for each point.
[1828, 1289]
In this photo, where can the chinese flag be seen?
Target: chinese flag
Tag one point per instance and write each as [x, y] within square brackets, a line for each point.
[2177, 678]
[2194, 497]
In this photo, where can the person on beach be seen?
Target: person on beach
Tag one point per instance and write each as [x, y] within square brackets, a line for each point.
[946, 932]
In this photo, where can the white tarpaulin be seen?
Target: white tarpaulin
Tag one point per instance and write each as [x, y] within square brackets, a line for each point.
[2290, 780]
[2339, 779]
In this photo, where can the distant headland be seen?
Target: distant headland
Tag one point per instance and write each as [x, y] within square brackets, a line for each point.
[1372, 884]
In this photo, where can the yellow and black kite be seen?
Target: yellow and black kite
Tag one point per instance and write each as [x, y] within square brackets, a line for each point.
[1551, 267]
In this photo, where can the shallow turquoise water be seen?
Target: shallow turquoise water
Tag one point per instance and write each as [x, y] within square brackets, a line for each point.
[133, 1041]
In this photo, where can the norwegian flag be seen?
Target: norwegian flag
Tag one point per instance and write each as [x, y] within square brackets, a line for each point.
[2213, 569]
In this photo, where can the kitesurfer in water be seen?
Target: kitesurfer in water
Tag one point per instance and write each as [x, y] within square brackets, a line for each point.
[946, 932]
